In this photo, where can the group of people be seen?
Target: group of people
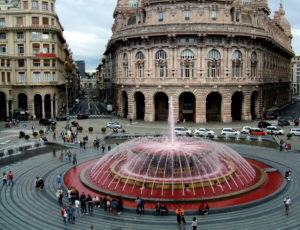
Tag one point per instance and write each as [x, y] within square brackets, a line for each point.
[8, 178]
[161, 209]
[203, 209]
[140, 205]
[39, 183]
[181, 220]
[69, 156]
[283, 146]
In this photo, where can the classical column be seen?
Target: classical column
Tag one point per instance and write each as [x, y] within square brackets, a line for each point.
[226, 109]
[33, 108]
[201, 109]
[56, 107]
[131, 106]
[43, 108]
[7, 108]
[149, 108]
[246, 113]
[52, 114]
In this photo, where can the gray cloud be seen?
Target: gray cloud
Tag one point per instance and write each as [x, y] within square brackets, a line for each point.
[88, 24]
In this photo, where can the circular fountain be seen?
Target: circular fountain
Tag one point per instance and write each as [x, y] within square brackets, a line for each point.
[185, 169]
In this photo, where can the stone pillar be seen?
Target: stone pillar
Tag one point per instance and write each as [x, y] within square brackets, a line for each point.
[201, 109]
[226, 109]
[149, 108]
[175, 106]
[33, 108]
[246, 113]
[7, 108]
[52, 114]
[43, 108]
[131, 106]
[56, 107]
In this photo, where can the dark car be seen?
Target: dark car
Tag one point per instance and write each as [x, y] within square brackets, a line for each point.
[283, 123]
[47, 122]
[263, 124]
[62, 118]
[82, 116]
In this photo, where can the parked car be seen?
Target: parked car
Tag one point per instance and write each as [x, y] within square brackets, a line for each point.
[182, 131]
[82, 116]
[47, 122]
[246, 130]
[62, 118]
[204, 132]
[113, 125]
[295, 131]
[283, 123]
[271, 115]
[263, 124]
[256, 131]
[75, 123]
[230, 132]
[274, 130]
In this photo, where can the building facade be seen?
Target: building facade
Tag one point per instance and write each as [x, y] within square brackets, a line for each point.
[296, 75]
[81, 66]
[32, 57]
[219, 60]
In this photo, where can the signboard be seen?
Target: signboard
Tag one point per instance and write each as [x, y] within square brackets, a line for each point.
[109, 107]
[45, 55]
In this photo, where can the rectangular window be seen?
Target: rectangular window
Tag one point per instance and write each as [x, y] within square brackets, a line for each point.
[21, 63]
[2, 21]
[53, 63]
[8, 76]
[187, 15]
[35, 5]
[35, 48]
[53, 49]
[21, 49]
[45, 5]
[2, 36]
[52, 22]
[21, 77]
[8, 63]
[45, 21]
[45, 35]
[2, 49]
[47, 76]
[160, 16]
[35, 35]
[2, 62]
[46, 48]
[37, 76]
[213, 15]
[53, 76]
[36, 63]
[52, 7]
[35, 20]
[20, 21]
[47, 63]
[3, 76]
[20, 35]
[25, 5]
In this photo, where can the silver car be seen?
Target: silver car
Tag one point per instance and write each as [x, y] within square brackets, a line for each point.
[203, 132]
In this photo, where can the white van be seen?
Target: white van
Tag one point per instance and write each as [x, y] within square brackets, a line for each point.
[295, 131]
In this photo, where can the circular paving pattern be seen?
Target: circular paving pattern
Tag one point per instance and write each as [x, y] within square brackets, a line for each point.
[24, 208]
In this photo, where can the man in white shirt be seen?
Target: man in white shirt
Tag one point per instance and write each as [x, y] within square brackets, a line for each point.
[287, 202]
[77, 208]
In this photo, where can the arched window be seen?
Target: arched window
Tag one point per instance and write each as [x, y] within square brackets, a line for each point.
[161, 63]
[254, 61]
[140, 64]
[125, 65]
[237, 65]
[187, 63]
[214, 63]
[133, 3]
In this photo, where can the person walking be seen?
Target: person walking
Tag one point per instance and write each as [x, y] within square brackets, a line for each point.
[54, 136]
[83, 203]
[74, 159]
[103, 148]
[64, 214]
[4, 178]
[89, 202]
[58, 181]
[71, 214]
[194, 224]
[10, 178]
[77, 208]
[287, 202]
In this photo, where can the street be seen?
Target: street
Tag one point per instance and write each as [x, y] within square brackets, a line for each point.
[83, 107]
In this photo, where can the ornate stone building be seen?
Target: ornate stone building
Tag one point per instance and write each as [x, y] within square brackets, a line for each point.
[33, 58]
[220, 60]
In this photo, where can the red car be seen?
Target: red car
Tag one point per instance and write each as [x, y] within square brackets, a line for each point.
[258, 132]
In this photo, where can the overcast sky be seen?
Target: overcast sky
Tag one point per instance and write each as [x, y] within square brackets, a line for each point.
[87, 25]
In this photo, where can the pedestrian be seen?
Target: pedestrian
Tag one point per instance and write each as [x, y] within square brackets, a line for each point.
[69, 155]
[77, 208]
[83, 203]
[130, 120]
[287, 202]
[179, 212]
[108, 147]
[64, 214]
[59, 195]
[89, 202]
[61, 156]
[10, 178]
[280, 147]
[32, 128]
[54, 151]
[4, 178]
[58, 181]
[286, 147]
[103, 148]
[80, 143]
[54, 136]
[36, 183]
[194, 224]
[74, 159]
[84, 144]
[182, 222]
[71, 214]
